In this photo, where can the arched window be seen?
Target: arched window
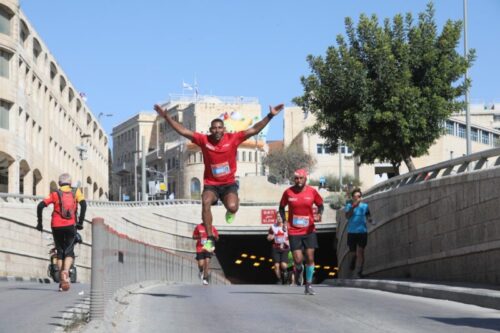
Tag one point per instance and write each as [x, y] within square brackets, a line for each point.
[24, 32]
[5, 17]
[37, 48]
[195, 189]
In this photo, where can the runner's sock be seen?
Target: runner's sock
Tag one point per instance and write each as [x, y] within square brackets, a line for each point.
[309, 273]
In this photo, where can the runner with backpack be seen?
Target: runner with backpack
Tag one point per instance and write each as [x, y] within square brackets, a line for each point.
[64, 223]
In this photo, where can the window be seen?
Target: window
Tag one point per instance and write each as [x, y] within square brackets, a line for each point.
[62, 83]
[5, 63]
[25, 32]
[345, 150]
[244, 156]
[496, 140]
[474, 134]
[4, 114]
[485, 137]
[37, 48]
[5, 17]
[53, 71]
[461, 130]
[322, 149]
[450, 128]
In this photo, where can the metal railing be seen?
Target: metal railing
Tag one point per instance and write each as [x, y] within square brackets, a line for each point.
[478, 161]
[119, 261]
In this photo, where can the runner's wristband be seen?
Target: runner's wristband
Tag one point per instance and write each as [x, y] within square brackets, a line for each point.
[270, 116]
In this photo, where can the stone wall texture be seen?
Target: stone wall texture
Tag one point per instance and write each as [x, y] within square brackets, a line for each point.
[445, 229]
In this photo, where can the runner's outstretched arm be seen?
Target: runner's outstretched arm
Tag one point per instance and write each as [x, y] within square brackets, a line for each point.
[255, 129]
[175, 125]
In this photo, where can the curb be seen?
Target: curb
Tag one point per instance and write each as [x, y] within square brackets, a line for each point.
[115, 306]
[487, 298]
[76, 316]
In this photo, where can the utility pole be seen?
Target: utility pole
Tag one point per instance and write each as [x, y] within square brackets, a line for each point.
[467, 107]
[144, 194]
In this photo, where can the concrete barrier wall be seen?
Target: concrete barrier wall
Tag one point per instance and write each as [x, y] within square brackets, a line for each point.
[442, 229]
[24, 250]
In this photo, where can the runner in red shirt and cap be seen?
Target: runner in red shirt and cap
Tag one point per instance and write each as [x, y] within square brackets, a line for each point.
[203, 257]
[300, 225]
[219, 155]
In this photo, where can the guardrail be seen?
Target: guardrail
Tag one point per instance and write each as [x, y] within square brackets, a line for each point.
[478, 161]
[20, 198]
[119, 261]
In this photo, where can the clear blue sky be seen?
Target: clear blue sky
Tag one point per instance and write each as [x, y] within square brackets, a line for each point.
[128, 55]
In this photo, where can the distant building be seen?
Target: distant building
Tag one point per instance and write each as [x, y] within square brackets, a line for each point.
[172, 158]
[484, 135]
[45, 126]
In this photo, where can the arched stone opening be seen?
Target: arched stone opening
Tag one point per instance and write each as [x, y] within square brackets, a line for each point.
[195, 189]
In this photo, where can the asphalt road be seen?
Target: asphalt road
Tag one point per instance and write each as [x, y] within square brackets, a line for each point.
[265, 308]
[36, 307]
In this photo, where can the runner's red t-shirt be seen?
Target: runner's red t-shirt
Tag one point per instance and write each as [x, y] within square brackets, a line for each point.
[220, 157]
[300, 209]
[200, 234]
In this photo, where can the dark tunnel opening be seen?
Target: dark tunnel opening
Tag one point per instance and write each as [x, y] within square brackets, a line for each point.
[254, 252]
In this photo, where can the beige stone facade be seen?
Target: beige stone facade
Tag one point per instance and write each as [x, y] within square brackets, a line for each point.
[484, 135]
[44, 122]
[172, 158]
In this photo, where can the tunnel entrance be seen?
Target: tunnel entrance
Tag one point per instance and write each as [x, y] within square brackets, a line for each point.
[246, 259]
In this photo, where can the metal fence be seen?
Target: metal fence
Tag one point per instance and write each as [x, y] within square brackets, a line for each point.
[479, 161]
[119, 261]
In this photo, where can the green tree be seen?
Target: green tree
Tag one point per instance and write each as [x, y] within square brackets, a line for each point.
[283, 162]
[387, 91]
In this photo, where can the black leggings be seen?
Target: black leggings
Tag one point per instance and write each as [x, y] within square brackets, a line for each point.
[64, 240]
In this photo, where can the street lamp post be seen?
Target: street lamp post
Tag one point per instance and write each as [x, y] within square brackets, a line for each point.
[82, 149]
[103, 114]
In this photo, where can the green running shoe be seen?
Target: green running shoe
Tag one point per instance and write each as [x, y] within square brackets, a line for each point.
[230, 217]
[209, 246]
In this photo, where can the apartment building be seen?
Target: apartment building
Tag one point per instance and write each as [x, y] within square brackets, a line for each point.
[173, 159]
[46, 128]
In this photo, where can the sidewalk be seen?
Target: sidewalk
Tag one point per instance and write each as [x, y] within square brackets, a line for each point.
[485, 296]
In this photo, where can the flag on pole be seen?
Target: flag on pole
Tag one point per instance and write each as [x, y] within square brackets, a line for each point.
[186, 86]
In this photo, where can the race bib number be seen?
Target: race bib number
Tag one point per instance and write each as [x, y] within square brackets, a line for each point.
[280, 239]
[221, 169]
[300, 221]
[203, 241]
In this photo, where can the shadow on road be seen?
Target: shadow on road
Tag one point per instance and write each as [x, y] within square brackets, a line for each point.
[262, 292]
[161, 295]
[487, 323]
[39, 289]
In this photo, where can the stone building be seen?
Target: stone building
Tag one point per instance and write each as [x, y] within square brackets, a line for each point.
[45, 126]
[173, 159]
[485, 134]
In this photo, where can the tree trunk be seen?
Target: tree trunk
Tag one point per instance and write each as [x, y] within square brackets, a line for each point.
[409, 163]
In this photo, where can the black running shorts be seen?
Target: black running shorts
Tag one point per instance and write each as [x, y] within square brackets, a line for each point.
[221, 190]
[64, 241]
[203, 255]
[279, 255]
[300, 242]
[357, 239]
